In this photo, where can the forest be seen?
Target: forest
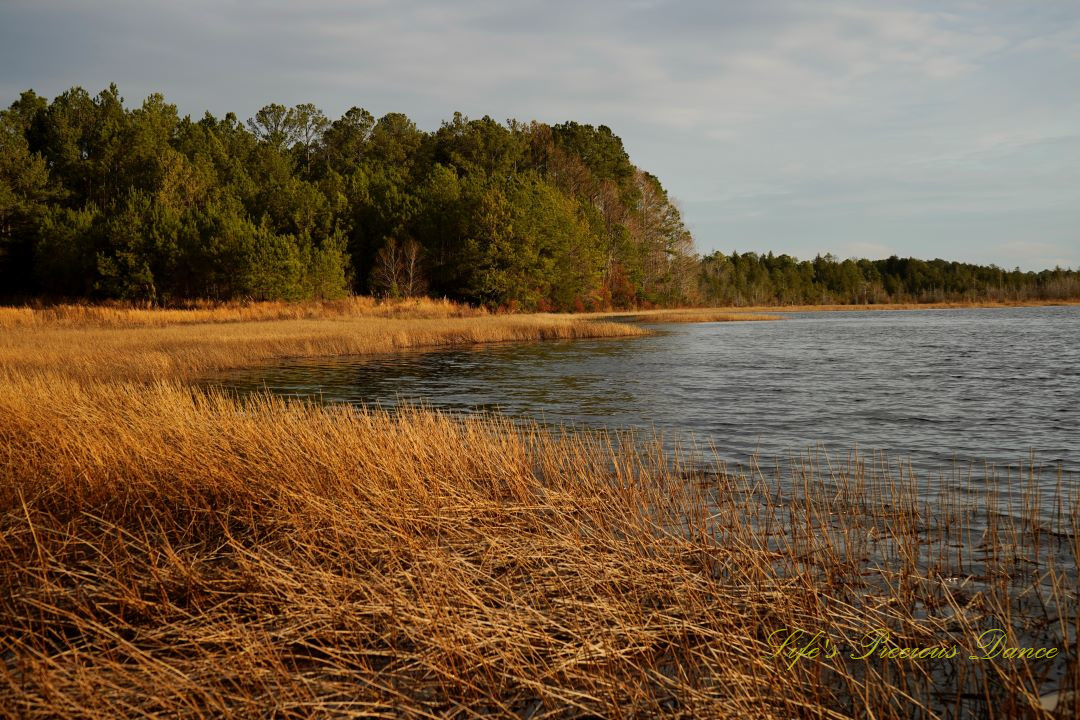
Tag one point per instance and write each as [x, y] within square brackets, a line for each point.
[753, 279]
[98, 200]
[102, 201]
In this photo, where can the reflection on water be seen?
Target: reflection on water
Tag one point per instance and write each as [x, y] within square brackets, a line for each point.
[935, 386]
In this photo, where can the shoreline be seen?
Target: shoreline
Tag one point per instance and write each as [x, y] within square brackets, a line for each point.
[153, 348]
[328, 560]
[909, 306]
[768, 312]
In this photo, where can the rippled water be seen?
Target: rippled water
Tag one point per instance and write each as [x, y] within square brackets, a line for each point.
[934, 386]
[952, 391]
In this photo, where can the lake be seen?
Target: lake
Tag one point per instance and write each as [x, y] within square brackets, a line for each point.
[941, 388]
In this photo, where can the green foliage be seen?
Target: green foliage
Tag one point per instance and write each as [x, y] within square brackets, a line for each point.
[138, 244]
[275, 269]
[328, 268]
[599, 149]
[499, 263]
[64, 258]
[752, 279]
[99, 200]
[567, 259]
[24, 180]
[478, 147]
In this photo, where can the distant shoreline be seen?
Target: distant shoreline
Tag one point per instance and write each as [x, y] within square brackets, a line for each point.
[909, 306]
[771, 312]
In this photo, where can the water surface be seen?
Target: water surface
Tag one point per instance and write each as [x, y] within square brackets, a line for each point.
[951, 391]
[934, 386]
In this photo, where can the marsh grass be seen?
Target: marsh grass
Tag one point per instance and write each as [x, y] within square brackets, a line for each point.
[126, 315]
[129, 345]
[167, 551]
[172, 552]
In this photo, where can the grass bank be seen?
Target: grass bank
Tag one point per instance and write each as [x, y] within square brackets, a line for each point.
[125, 315]
[688, 315]
[132, 344]
[168, 552]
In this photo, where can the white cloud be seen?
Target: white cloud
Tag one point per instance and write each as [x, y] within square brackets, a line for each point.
[776, 120]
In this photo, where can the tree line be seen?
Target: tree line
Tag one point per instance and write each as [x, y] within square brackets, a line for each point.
[98, 200]
[753, 279]
[103, 201]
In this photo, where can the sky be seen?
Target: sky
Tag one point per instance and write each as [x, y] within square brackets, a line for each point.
[861, 129]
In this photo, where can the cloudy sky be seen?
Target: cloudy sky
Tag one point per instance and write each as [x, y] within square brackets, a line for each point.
[938, 129]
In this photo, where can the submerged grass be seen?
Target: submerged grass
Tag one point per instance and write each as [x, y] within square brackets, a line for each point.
[171, 552]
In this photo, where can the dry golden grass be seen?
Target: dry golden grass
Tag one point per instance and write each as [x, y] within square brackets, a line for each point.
[171, 553]
[168, 347]
[696, 315]
[168, 552]
[119, 315]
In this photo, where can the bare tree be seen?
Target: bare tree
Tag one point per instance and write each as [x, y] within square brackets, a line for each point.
[413, 281]
[398, 271]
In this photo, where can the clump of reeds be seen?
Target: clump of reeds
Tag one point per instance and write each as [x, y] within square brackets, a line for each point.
[168, 552]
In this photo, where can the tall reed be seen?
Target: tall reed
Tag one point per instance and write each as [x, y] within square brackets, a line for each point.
[172, 552]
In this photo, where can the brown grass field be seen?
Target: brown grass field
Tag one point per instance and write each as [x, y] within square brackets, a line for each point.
[170, 552]
[128, 343]
[121, 315]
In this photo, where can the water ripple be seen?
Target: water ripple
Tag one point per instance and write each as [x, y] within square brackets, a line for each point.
[934, 386]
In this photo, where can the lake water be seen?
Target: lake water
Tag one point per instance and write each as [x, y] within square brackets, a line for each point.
[936, 386]
[967, 396]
